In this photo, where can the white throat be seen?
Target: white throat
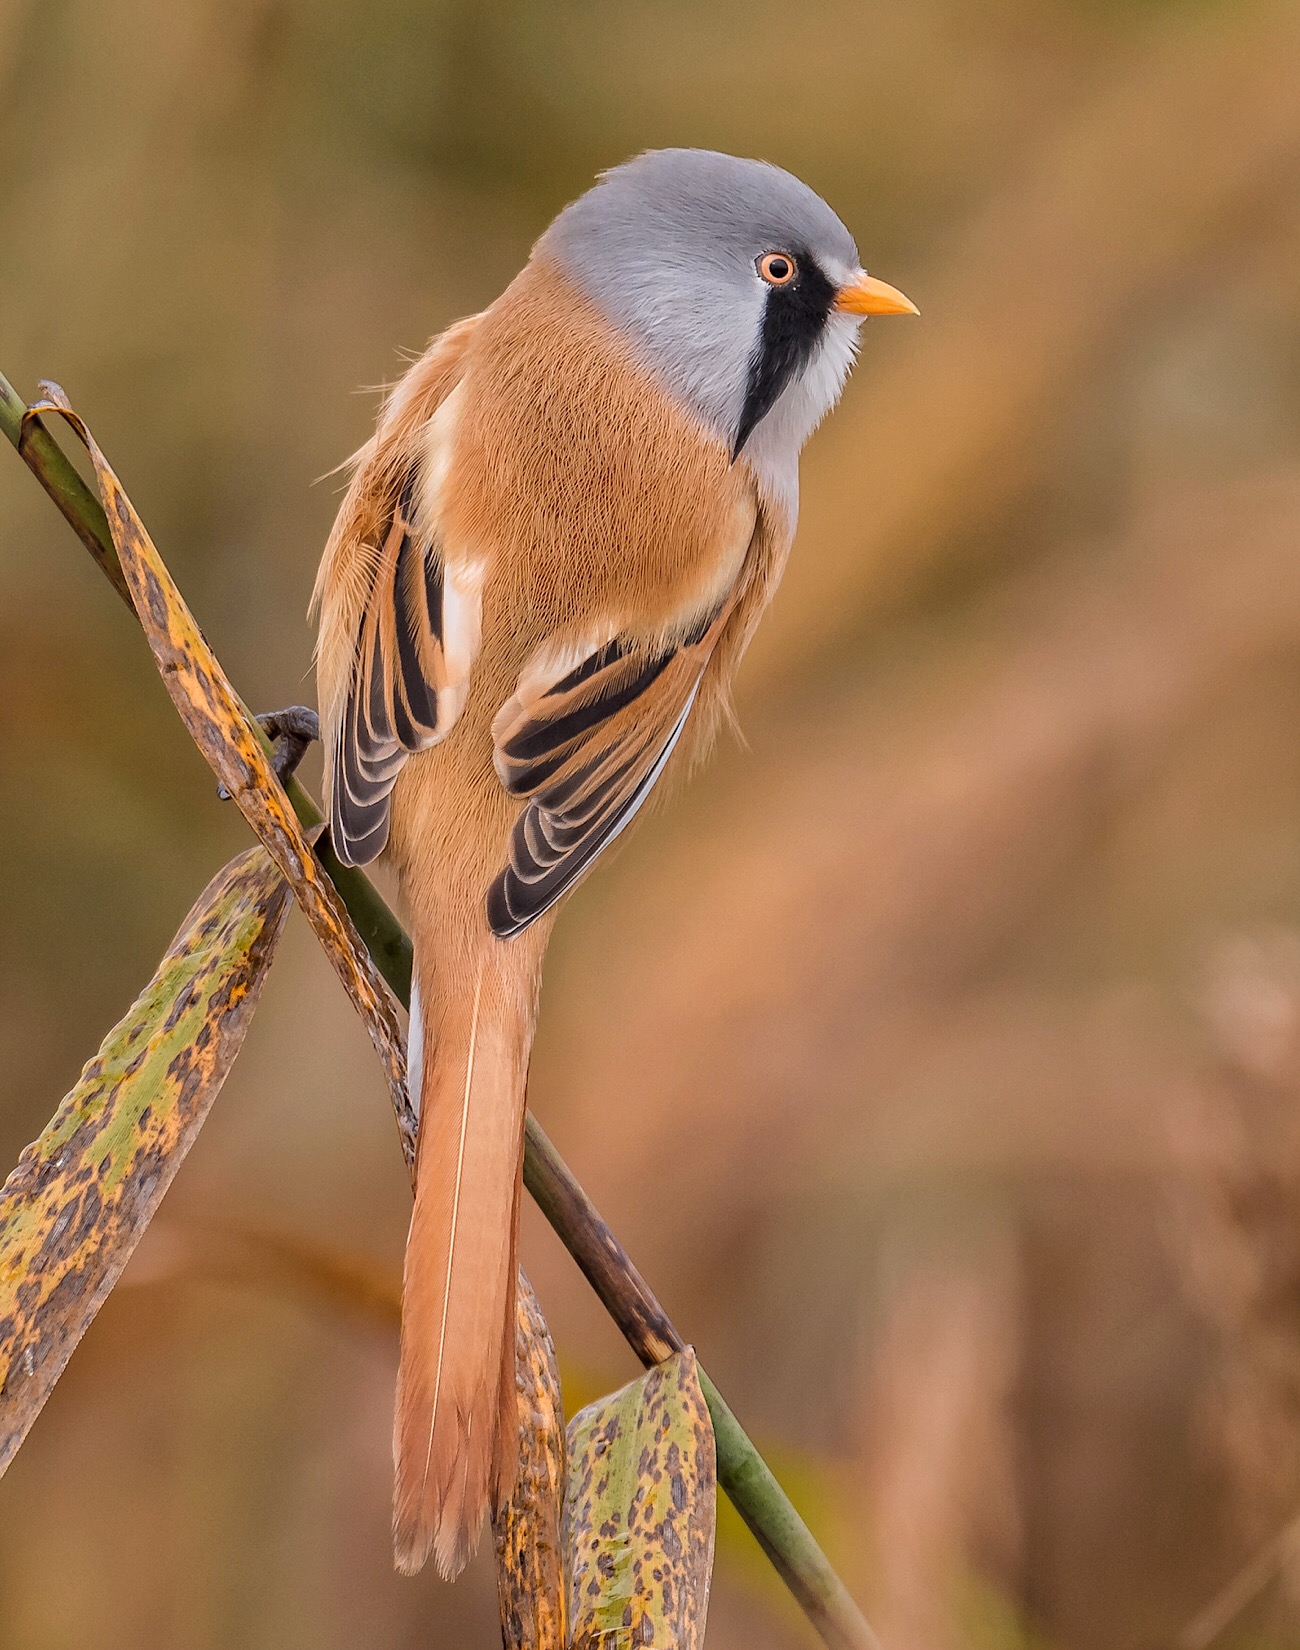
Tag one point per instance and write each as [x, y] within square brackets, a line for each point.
[779, 437]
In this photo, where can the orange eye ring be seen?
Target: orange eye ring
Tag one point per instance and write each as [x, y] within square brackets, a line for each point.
[777, 268]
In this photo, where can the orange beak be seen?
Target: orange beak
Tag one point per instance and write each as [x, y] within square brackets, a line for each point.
[868, 296]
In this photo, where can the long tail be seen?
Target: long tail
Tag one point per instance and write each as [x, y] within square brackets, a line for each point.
[455, 1436]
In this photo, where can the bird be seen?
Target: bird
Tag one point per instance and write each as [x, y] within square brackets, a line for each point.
[549, 559]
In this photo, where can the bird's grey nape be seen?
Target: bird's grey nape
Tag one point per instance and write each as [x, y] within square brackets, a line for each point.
[667, 244]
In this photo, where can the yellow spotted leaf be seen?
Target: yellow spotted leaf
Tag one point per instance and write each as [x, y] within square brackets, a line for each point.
[639, 1513]
[220, 726]
[81, 1196]
[532, 1586]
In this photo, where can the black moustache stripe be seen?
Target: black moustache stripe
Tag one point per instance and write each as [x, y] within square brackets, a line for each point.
[794, 319]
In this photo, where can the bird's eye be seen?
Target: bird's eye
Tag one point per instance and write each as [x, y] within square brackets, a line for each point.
[777, 268]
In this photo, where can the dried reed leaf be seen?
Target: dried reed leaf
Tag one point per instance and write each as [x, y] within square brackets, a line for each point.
[81, 1196]
[532, 1588]
[639, 1514]
[220, 726]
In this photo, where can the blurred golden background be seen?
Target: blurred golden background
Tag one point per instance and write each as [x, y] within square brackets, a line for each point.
[937, 1055]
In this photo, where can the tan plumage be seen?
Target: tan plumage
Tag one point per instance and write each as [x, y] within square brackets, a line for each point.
[656, 590]
[540, 582]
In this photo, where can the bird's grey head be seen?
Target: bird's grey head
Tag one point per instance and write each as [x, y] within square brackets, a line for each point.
[736, 284]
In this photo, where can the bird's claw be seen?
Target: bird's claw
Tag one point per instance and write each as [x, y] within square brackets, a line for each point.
[291, 731]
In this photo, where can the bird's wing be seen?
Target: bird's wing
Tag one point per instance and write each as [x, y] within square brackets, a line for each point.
[415, 644]
[399, 622]
[584, 738]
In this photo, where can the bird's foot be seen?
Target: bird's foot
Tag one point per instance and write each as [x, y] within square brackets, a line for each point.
[290, 731]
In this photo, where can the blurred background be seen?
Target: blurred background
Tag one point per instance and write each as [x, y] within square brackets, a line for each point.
[937, 1054]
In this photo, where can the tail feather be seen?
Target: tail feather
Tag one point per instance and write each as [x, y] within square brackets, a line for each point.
[452, 1460]
[506, 1463]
